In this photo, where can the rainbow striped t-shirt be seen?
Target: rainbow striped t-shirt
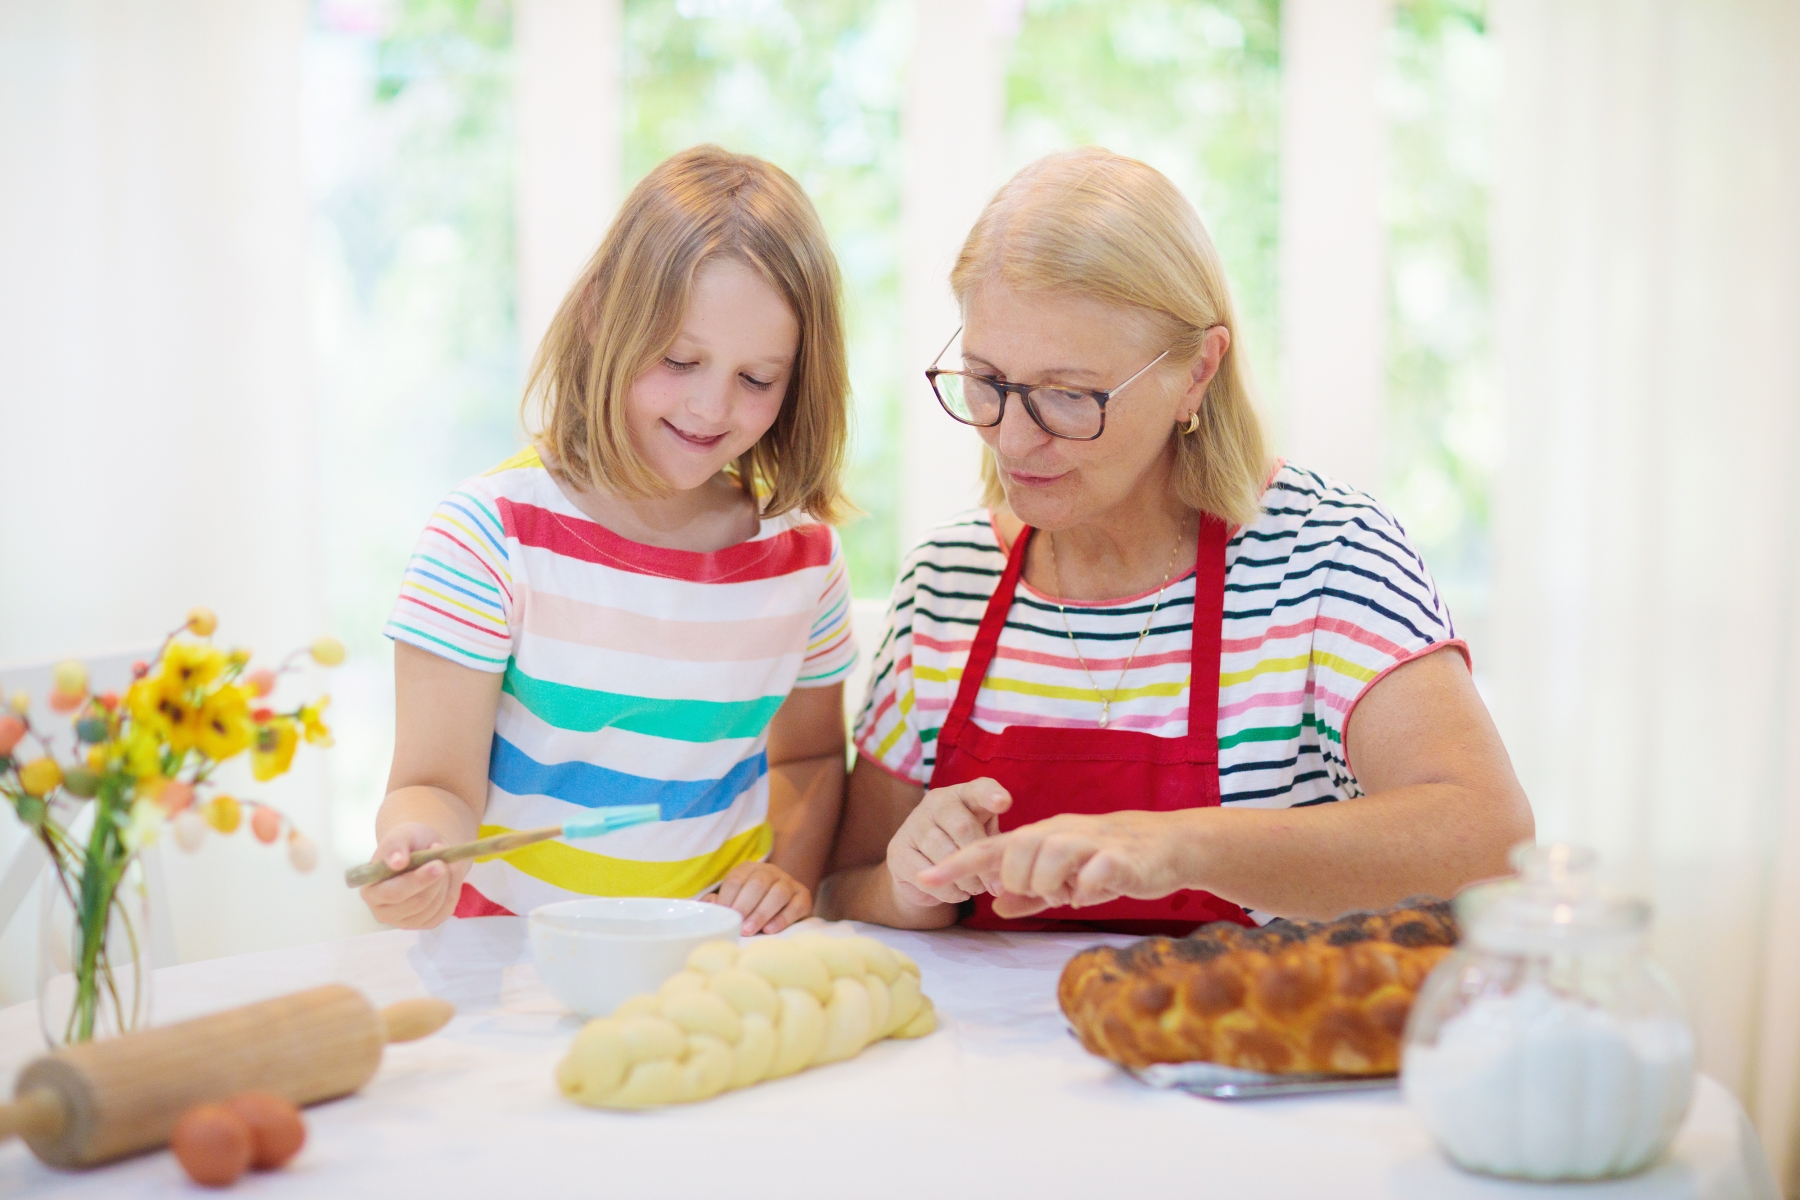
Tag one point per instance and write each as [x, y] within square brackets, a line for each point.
[633, 674]
[1323, 596]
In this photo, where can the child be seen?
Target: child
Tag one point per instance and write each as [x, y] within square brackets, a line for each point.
[650, 605]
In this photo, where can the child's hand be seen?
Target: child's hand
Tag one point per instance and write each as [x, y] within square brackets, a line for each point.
[768, 896]
[419, 899]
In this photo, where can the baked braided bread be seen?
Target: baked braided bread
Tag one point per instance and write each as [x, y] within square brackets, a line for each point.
[737, 1016]
[1288, 998]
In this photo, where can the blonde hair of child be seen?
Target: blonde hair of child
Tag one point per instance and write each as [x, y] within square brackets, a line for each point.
[1096, 224]
[627, 307]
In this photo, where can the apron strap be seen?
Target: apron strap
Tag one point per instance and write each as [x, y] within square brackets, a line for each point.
[987, 639]
[1208, 640]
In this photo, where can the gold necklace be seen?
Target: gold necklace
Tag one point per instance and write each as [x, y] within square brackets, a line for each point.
[1118, 685]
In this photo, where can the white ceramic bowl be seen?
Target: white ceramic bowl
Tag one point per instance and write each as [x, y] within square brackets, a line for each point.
[597, 952]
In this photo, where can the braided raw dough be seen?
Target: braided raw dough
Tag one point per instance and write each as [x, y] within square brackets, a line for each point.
[737, 1016]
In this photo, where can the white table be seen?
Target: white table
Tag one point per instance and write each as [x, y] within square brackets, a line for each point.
[1001, 1102]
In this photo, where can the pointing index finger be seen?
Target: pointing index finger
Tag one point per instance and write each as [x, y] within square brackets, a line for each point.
[977, 858]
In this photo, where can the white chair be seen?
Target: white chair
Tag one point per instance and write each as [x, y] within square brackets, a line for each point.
[107, 672]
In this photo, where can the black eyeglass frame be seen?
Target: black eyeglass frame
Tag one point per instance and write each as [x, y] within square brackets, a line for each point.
[1023, 392]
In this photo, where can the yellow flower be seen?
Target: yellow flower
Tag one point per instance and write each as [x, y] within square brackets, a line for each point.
[223, 727]
[143, 754]
[317, 732]
[190, 665]
[273, 751]
[162, 707]
[142, 696]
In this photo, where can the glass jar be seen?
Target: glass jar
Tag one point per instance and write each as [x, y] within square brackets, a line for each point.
[1549, 1046]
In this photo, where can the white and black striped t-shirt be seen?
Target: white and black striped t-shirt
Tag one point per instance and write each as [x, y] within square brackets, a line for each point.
[1323, 596]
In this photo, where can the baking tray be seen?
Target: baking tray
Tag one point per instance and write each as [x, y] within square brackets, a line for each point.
[1229, 1083]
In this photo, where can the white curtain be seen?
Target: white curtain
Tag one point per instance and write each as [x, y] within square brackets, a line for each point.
[156, 440]
[1646, 651]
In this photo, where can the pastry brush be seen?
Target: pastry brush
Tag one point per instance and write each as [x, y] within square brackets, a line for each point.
[606, 820]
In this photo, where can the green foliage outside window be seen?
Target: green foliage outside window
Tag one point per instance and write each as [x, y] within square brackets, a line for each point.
[415, 237]
[411, 125]
[1443, 430]
[1193, 89]
[407, 112]
[814, 87]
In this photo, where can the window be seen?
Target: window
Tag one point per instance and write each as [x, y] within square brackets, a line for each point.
[409, 140]
[410, 157]
[1444, 419]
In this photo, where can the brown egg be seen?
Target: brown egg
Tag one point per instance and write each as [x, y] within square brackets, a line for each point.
[212, 1144]
[276, 1130]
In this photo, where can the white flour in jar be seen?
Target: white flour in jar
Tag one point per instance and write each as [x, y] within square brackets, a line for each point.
[1536, 1085]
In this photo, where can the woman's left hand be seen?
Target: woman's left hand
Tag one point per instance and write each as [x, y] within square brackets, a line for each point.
[1075, 860]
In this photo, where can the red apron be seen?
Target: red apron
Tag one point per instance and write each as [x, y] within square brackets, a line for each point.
[1053, 770]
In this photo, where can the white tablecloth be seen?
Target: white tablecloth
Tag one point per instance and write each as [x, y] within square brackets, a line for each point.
[1000, 1102]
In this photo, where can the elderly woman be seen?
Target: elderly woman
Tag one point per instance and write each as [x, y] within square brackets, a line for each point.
[1044, 745]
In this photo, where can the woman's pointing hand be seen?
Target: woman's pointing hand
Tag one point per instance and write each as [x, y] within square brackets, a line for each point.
[1071, 860]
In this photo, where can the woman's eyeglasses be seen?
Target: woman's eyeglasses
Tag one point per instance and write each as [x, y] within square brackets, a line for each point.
[1073, 413]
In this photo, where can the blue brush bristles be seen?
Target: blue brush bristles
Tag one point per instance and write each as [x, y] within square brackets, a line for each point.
[607, 820]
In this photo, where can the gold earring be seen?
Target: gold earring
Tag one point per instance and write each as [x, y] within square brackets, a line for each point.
[1193, 423]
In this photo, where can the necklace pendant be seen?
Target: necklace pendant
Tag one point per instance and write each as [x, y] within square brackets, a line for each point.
[1075, 644]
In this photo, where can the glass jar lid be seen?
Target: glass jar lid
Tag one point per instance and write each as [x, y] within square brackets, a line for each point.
[1552, 906]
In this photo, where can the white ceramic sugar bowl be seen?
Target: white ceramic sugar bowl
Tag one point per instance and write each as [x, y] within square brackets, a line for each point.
[1549, 1046]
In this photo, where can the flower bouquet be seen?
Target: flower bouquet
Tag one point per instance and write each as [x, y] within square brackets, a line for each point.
[135, 765]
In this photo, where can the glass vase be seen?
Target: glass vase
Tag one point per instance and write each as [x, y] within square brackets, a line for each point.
[93, 955]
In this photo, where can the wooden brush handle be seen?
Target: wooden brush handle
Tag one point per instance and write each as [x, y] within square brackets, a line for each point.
[364, 874]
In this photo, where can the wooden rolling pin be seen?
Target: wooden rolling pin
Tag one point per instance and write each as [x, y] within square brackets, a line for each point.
[89, 1104]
